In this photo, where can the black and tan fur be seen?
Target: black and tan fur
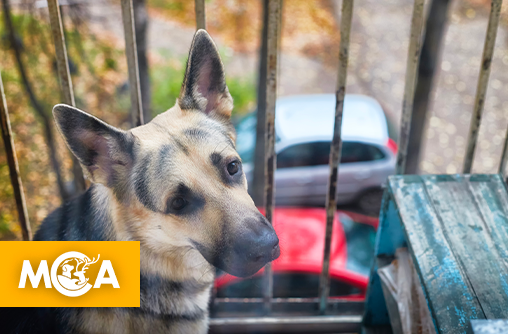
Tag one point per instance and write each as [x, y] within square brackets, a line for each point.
[140, 178]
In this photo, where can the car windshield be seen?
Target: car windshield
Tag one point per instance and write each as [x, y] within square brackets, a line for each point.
[246, 137]
[360, 239]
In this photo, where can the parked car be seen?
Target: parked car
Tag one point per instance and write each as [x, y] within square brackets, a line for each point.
[296, 272]
[304, 129]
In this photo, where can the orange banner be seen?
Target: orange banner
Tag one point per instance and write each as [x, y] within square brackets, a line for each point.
[69, 274]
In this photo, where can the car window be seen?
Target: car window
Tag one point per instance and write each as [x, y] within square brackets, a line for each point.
[246, 137]
[360, 152]
[318, 153]
[286, 285]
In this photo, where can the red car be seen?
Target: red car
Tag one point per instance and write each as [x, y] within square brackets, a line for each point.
[296, 272]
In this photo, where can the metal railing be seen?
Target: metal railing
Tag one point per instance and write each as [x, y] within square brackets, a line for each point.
[267, 313]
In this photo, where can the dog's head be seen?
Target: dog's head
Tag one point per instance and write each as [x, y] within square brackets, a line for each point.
[179, 177]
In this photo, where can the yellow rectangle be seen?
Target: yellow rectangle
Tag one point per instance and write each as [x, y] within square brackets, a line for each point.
[123, 257]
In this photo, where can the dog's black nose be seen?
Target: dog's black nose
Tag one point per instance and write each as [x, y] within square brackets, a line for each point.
[259, 243]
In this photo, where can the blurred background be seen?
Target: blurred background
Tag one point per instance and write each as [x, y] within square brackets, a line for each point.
[444, 99]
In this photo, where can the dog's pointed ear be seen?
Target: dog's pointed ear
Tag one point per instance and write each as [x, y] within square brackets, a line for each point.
[204, 86]
[103, 150]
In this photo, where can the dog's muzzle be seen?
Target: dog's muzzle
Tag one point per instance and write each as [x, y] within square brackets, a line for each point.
[247, 250]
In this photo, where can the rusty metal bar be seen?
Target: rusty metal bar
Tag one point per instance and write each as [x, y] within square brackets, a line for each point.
[200, 14]
[335, 150]
[61, 53]
[504, 156]
[297, 324]
[415, 44]
[132, 62]
[64, 74]
[10, 151]
[274, 16]
[483, 80]
[254, 307]
[336, 300]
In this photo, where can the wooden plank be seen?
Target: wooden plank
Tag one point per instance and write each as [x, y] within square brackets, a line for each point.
[470, 241]
[492, 200]
[451, 299]
[389, 237]
[490, 326]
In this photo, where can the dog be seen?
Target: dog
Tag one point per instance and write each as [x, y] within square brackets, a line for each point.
[176, 185]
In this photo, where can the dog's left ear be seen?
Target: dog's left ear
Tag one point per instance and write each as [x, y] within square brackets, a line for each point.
[103, 151]
[204, 86]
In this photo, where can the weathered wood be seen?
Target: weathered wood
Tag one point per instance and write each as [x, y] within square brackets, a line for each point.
[335, 150]
[12, 161]
[451, 299]
[469, 238]
[490, 326]
[390, 236]
[492, 200]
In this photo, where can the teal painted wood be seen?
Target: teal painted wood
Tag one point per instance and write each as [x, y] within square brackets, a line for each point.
[456, 228]
[451, 299]
[389, 237]
[469, 235]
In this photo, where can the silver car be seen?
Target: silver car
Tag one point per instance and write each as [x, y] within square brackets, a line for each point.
[304, 129]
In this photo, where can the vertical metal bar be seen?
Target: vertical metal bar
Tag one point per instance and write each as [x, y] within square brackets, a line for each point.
[335, 150]
[65, 78]
[200, 14]
[61, 53]
[504, 156]
[10, 151]
[483, 80]
[413, 54]
[274, 17]
[132, 62]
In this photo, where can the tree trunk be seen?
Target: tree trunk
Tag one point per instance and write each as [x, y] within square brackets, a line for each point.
[141, 29]
[258, 179]
[429, 59]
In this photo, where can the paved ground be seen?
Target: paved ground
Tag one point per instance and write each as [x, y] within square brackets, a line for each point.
[377, 67]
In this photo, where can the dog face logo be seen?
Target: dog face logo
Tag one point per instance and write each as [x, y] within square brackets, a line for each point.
[68, 273]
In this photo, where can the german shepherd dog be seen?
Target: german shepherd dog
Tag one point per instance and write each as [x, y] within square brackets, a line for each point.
[176, 185]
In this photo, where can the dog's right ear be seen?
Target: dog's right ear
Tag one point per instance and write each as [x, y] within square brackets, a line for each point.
[103, 151]
[204, 86]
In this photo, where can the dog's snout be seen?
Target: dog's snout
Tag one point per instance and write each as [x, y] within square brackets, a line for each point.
[259, 243]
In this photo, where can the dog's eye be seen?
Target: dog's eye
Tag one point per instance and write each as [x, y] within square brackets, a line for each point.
[233, 167]
[178, 204]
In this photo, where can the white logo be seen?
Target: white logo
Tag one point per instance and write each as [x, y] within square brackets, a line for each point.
[68, 274]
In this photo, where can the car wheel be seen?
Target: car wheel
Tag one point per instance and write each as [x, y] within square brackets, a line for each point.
[370, 202]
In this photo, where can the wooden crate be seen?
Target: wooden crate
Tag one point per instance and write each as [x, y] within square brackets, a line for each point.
[456, 228]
